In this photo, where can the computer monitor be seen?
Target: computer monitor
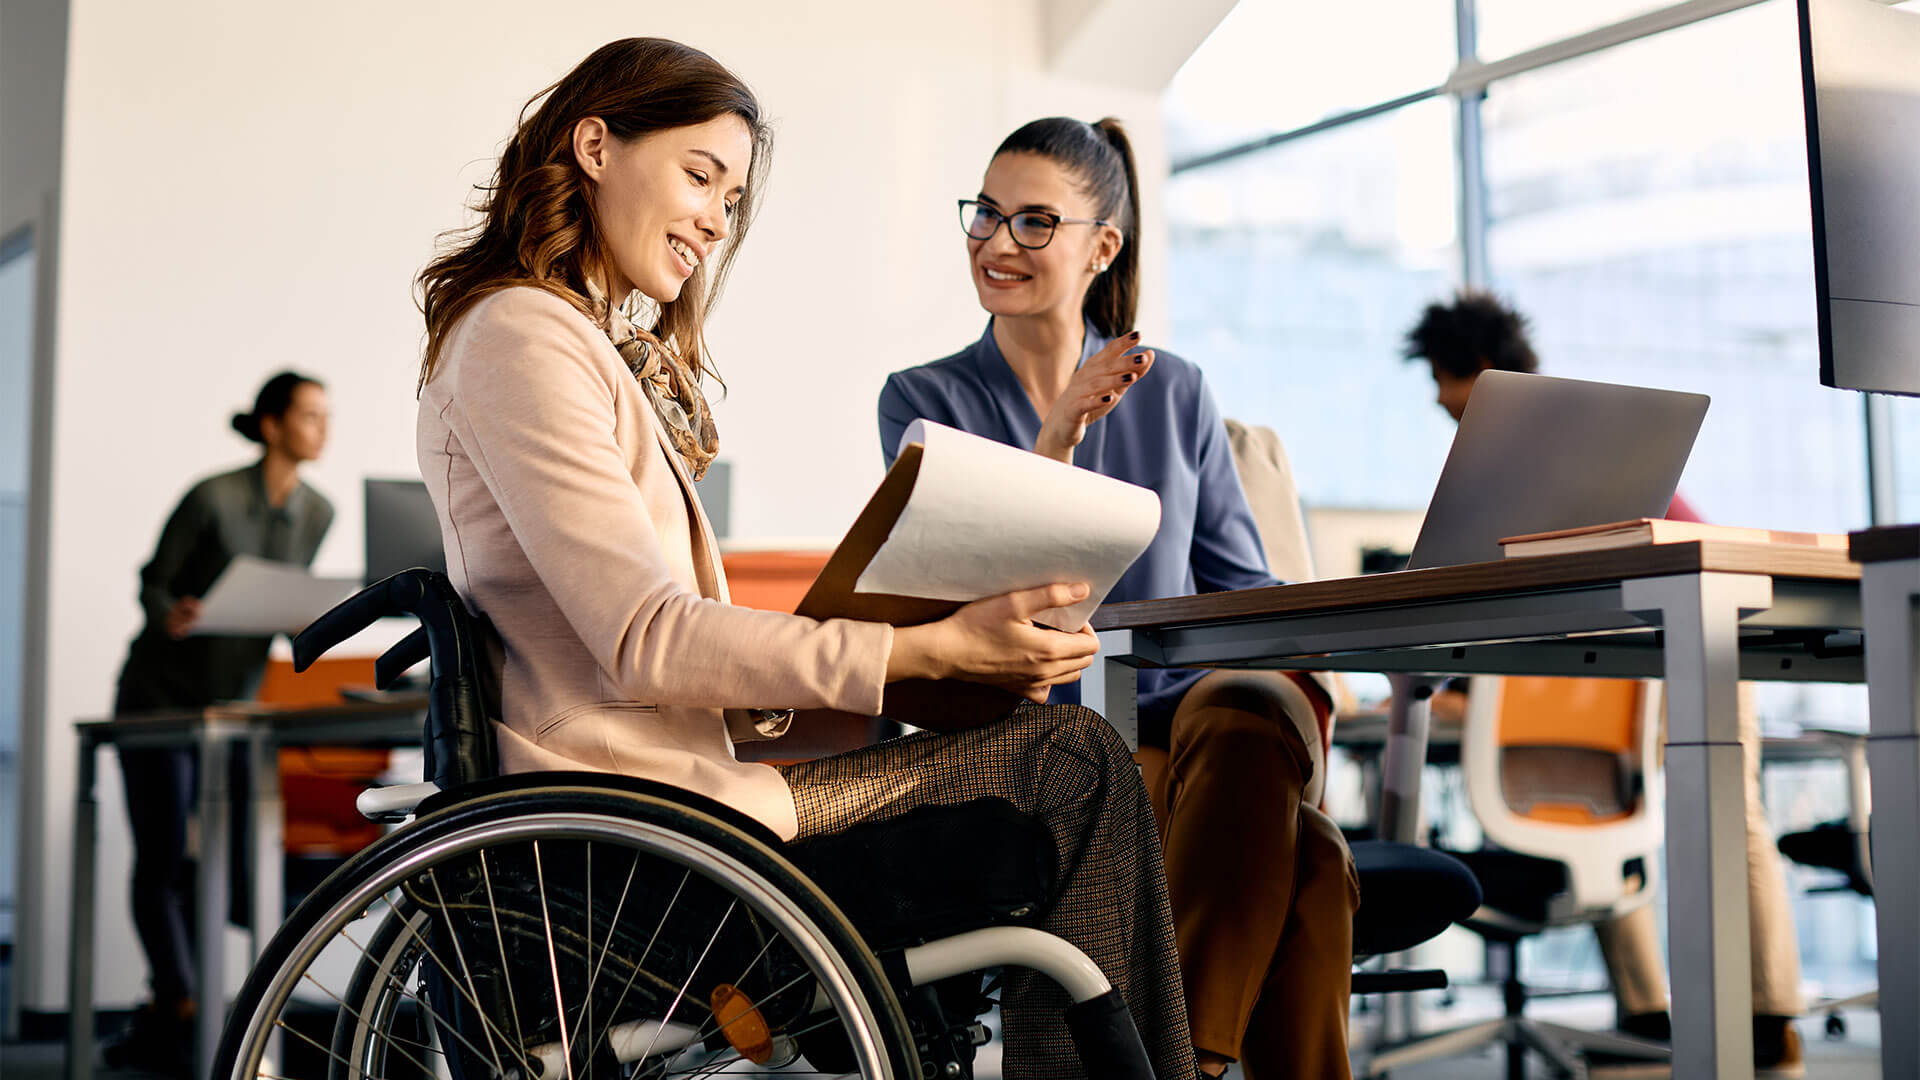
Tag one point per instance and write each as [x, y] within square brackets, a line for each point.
[403, 531]
[1860, 68]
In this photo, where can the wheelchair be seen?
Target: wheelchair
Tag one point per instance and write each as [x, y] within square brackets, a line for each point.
[585, 925]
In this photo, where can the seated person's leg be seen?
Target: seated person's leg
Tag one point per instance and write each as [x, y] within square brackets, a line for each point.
[1630, 945]
[1299, 1025]
[1239, 853]
[1066, 766]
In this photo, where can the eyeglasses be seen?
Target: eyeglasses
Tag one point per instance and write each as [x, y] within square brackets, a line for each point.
[1031, 229]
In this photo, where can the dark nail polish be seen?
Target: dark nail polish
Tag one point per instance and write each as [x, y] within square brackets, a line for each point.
[1128, 377]
[1139, 358]
[1135, 336]
[1109, 397]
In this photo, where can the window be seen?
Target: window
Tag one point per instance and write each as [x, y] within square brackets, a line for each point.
[1273, 66]
[1648, 211]
[1295, 271]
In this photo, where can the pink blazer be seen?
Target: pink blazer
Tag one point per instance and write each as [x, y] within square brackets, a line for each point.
[569, 521]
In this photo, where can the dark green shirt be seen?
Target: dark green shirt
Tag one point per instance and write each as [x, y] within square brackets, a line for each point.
[222, 516]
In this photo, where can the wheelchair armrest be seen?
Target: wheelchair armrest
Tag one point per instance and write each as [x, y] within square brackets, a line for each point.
[394, 803]
[405, 653]
[399, 594]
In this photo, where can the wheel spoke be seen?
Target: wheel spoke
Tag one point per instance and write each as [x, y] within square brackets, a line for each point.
[513, 1007]
[619, 909]
[421, 1065]
[553, 962]
[437, 1018]
[690, 975]
[432, 1013]
[639, 965]
[466, 973]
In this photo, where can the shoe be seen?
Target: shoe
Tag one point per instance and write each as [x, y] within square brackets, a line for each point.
[158, 1039]
[1778, 1053]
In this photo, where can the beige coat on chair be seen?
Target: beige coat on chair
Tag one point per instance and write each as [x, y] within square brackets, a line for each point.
[571, 523]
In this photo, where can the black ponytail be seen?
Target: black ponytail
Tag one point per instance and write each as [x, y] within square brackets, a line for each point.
[1102, 156]
[274, 399]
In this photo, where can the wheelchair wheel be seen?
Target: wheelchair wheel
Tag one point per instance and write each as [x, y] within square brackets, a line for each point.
[572, 932]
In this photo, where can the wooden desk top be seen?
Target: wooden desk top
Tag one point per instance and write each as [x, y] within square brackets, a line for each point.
[1533, 574]
[1884, 544]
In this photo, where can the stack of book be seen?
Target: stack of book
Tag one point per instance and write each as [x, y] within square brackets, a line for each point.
[1645, 531]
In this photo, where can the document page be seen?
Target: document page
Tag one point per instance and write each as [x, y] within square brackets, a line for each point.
[960, 518]
[985, 518]
[255, 597]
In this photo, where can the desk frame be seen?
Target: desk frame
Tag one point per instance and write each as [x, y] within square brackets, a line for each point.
[215, 734]
[1723, 616]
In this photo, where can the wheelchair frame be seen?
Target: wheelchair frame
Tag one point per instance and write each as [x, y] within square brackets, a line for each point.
[722, 844]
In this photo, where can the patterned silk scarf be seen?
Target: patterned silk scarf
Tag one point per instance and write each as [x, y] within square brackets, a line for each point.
[670, 386]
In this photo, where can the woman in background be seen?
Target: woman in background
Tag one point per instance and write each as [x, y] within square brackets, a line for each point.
[264, 510]
[1262, 886]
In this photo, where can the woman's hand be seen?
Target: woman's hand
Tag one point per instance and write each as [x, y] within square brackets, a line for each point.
[995, 641]
[182, 617]
[1091, 394]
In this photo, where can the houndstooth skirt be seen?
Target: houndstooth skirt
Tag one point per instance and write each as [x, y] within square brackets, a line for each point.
[1066, 766]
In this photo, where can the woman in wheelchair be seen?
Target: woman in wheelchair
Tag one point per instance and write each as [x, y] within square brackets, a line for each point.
[561, 426]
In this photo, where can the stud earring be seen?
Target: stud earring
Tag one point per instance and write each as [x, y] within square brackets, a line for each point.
[1099, 268]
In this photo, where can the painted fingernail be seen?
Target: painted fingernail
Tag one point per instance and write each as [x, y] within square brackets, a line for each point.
[1109, 397]
[1135, 336]
[1128, 377]
[1139, 358]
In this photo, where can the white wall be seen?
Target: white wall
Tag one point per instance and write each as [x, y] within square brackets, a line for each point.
[252, 186]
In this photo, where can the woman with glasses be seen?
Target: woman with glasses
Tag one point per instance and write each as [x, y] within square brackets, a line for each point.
[1263, 889]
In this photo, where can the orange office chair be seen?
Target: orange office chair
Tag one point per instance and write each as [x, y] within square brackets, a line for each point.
[1563, 777]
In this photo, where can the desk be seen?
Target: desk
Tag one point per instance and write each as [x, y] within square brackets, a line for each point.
[1702, 615]
[215, 733]
[1889, 593]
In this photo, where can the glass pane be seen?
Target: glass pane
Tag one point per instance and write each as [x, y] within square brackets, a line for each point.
[1650, 215]
[1506, 27]
[1904, 412]
[16, 393]
[1294, 273]
[1274, 65]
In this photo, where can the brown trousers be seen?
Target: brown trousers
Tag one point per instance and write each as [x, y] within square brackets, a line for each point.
[1263, 888]
[1631, 943]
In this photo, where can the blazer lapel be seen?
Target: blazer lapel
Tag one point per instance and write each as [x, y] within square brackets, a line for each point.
[706, 549]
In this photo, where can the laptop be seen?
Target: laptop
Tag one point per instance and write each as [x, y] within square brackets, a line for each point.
[1535, 453]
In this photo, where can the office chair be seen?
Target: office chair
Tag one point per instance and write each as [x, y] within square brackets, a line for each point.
[1561, 775]
[1841, 846]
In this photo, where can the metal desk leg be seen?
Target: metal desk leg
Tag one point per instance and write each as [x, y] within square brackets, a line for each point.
[1404, 758]
[215, 840]
[1111, 687]
[268, 861]
[1889, 592]
[268, 829]
[1709, 939]
[80, 925]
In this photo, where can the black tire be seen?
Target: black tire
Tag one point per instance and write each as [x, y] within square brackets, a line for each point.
[485, 840]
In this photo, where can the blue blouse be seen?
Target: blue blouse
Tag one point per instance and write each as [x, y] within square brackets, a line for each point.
[1165, 435]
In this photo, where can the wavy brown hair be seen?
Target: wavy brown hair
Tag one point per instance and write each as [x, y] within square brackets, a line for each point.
[538, 226]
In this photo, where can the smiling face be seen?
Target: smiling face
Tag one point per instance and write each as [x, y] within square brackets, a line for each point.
[1016, 281]
[664, 200]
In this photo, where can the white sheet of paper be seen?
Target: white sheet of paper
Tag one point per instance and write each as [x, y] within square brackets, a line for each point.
[985, 518]
[256, 596]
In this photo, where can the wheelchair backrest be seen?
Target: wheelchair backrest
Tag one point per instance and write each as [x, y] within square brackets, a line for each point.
[462, 701]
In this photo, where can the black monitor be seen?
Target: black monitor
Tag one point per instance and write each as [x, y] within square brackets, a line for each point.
[403, 531]
[1860, 66]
